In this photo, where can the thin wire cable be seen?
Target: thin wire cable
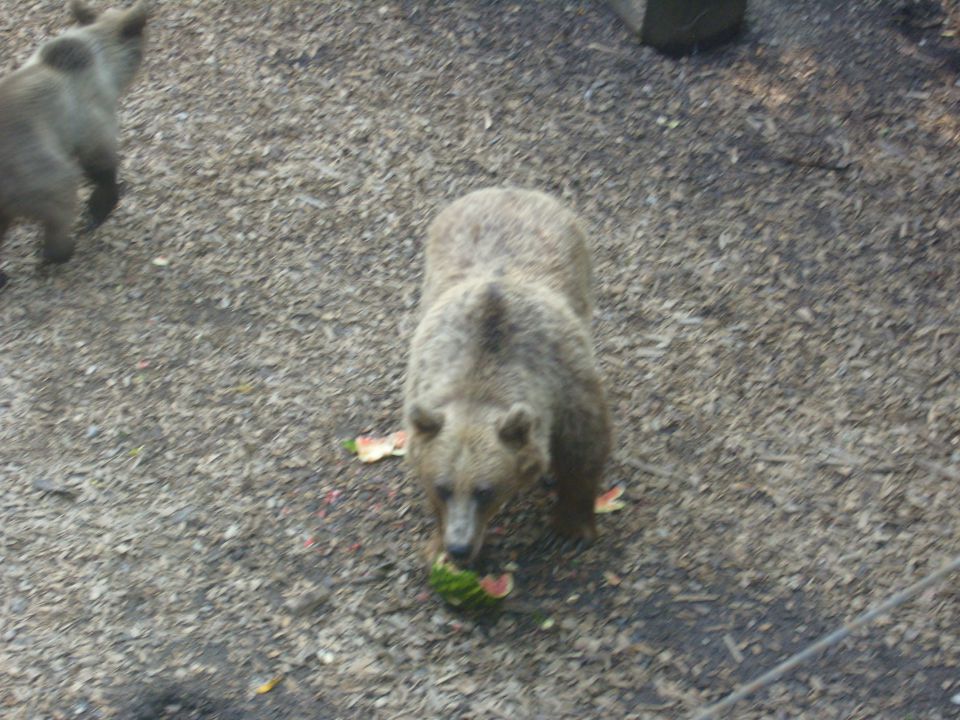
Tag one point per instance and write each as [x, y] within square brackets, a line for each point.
[828, 640]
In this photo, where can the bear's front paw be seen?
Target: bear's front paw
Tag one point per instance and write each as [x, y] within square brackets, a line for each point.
[579, 530]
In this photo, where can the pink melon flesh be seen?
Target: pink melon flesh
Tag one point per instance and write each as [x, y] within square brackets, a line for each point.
[609, 501]
[497, 587]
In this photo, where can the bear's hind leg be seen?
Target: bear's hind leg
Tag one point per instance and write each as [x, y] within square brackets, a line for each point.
[58, 241]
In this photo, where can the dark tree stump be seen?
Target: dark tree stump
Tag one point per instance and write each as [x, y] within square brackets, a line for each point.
[678, 27]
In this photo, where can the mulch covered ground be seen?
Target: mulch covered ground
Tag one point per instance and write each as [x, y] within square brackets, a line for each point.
[777, 246]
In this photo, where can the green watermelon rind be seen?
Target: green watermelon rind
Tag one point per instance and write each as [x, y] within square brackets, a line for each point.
[460, 588]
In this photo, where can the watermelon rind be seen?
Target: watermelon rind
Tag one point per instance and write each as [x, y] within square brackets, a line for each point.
[462, 588]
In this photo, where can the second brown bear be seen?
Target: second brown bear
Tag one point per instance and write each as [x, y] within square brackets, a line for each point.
[502, 384]
[58, 124]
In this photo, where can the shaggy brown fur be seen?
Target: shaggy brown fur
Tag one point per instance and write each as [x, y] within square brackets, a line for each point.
[502, 384]
[58, 124]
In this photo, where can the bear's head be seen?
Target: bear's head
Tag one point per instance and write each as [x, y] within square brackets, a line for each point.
[471, 459]
[118, 34]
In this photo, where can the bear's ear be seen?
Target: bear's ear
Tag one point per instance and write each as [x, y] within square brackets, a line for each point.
[427, 422]
[515, 426]
[82, 13]
[135, 20]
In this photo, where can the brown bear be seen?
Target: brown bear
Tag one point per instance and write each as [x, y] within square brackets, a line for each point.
[502, 384]
[58, 124]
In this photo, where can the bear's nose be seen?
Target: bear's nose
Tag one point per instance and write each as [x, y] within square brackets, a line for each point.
[459, 552]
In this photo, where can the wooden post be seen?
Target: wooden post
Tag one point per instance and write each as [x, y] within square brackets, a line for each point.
[678, 27]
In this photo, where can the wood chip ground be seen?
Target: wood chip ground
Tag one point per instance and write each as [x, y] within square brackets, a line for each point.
[777, 247]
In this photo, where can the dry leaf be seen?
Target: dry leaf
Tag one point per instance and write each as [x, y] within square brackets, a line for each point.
[269, 685]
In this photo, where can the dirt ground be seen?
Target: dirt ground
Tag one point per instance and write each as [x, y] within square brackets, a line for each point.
[777, 241]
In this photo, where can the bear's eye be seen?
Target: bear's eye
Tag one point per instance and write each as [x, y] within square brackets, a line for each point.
[484, 495]
[444, 492]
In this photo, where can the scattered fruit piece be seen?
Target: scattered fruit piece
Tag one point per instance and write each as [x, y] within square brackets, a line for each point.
[161, 261]
[370, 449]
[610, 501]
[462, 588]
[497, 587]
[269, 685]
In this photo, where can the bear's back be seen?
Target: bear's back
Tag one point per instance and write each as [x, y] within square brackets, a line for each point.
[520, 237]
